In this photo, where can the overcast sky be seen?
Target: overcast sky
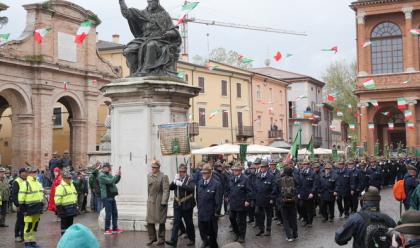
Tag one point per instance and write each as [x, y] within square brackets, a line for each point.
[328, 23]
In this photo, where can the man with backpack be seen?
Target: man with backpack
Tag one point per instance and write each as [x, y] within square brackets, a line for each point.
[410, 184]
[368, 227]
[287, 202]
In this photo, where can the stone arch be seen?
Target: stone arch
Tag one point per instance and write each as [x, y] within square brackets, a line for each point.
[385, 135]
[72, 102]
[17, 97]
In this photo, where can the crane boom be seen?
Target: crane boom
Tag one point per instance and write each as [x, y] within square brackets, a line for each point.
[243, 26]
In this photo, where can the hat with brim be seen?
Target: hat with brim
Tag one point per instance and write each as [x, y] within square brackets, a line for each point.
[264, 163]
[412, 168]
[410, 223]
[2, 169]
[371, 194]
[328, 166]
[106, 165]
[316, 165]
[21, 170]
[67, 175]
[206, 171]
[257, 161]
[237, 166]
[31, 169]
[155, 164]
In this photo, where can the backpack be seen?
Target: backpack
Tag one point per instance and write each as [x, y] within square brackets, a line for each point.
[399, 190]
[288, 189]
[376, 232]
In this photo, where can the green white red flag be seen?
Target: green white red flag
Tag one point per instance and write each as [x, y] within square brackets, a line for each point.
[390, 126]
[408, 114]
[92, 82]
[182, 20]
[39, 34]
[415, 32]
[331, 97]
[349, 108]
[352, 126]
[214, 113]
[402, 103]
[369, 84]
[374, 103]
[406, 82]
[366, 44]
[410, 125]
[332, 49]
[371, 126]
[245, 60]
[4, 38]
[83, 31]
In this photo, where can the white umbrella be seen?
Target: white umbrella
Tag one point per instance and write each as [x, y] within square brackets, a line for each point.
[318, 151]
[259, 149]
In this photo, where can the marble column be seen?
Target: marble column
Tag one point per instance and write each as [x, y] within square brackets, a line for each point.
[78, 143]
[409, 40]
[364, 122]
[411, 134]
[361, 37]
[24, 128]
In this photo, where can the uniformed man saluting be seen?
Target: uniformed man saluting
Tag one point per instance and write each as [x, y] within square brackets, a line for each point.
[265, 193]
[239, 196]
[208, 202]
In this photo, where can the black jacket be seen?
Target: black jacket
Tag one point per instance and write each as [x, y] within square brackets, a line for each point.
[208, 199]
[186, 189]
[239, 192]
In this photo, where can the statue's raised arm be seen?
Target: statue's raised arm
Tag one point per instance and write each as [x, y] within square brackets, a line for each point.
[155, 49]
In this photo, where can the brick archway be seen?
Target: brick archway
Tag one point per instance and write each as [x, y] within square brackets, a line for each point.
[389, 136]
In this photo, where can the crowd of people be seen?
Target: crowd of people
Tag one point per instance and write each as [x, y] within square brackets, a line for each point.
[263, 192]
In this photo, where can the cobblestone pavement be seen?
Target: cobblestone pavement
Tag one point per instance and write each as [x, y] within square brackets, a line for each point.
[320, 236]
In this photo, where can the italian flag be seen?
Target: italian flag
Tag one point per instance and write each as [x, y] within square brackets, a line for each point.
[391, 126]
[371, 126]
[408, 114]
[352, 126]
[402, 103]
[92, 82]
[410, 125]
[296, 123]
[39, 34]
[331, 97]
[332, 49]
[415, 32]
[406, 82]
[358, 115]
[278, 56]
[369, 84]
[211, 68]
[214, 113]
[374, 103]
[188, 6]
[66, 86]
[349, 108]
[4, 38]
[366, 44]
[245, 60]
[190, 116]
[83, 31]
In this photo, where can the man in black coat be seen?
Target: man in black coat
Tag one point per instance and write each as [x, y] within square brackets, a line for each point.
[307, 188]
[239, 197]
[184, 203]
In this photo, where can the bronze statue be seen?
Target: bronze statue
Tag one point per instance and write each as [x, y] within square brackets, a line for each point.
[155, 49]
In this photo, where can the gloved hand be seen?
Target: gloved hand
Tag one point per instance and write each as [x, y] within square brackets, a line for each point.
[178, 183]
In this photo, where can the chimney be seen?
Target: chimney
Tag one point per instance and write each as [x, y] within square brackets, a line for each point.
[116, 38]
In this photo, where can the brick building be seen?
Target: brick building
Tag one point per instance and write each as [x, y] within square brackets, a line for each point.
[33, 78]
[388, 55]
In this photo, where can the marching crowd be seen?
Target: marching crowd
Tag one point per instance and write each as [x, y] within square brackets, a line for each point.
[265, 191]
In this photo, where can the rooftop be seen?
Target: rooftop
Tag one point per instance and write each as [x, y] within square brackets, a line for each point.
[285, 75]
[103, 45]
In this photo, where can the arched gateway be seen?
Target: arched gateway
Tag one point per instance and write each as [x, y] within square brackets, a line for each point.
[35, 77]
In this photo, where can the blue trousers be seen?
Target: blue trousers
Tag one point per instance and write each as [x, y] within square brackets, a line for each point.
[111, 212]
[187, 215]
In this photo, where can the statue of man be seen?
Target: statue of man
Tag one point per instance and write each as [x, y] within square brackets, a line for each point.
[155, 49]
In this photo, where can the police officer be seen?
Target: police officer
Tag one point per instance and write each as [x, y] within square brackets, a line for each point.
[184, 203]
[356, 186]
[308, 186]
[265, 193]
[20, 180]
[239, 197]
[31, 196]
[227, 174]
[251, 173]
[326, 190]
[342, 189]
[66, 201]
[217, 174]
[276, 173]
[208, 202]
[4, 196]
[374, 173]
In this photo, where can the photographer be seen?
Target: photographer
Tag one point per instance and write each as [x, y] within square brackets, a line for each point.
[408, 231]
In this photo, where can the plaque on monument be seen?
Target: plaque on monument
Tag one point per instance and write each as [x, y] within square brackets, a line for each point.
[66, 47]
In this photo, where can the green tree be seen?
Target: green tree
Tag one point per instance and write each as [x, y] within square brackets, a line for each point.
[228, 57]
[340, 78]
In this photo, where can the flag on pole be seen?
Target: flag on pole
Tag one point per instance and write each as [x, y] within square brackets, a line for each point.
[386, 113]
[366, 44]
[369, 84]
[181, 74]
[214, 113]
[83, 31]
[211, 67]
[311, 148]
[371, 126]
[293, 153]
[332, 49]
[182, 20]
[390, 126]
[374, 103]
[39, 34]
[352, 126]
[245, 60]
[289, 55]
[300, 98]
[188, 6]
[349, 108]
[415, 32]
[408, 114]
[278, 56]
[410, 125]
[406, 82]
[331, 97]
[308, 115]
[402, 103]
[4, 38]
[66, 86]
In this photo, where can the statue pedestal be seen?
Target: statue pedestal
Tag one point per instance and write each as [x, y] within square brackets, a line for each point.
[139, 105]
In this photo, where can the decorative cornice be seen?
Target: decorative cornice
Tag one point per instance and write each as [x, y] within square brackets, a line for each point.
[408, 11]
[361, 17]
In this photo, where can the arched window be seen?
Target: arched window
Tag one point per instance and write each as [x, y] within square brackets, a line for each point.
[387, 49]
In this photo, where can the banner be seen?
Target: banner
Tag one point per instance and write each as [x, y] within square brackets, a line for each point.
[174, 139]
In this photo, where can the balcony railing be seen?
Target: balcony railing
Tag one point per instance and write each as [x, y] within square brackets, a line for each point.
[193, 129]
[275, 134]
[244, 132]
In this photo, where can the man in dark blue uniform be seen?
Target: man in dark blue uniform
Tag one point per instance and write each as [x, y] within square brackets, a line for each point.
[265, 194]
[208, 202]
[374, 172]
[326, 191]
[239, 198]
[184, 203]
[308, 185]
[342, 189]
[410, 184]
[356, 186]
[251, 173]
[276, 173]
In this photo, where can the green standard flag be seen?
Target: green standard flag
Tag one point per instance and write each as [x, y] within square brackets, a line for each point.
[242, 152]
[295, 146]
[311, 148]
[334, 154]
